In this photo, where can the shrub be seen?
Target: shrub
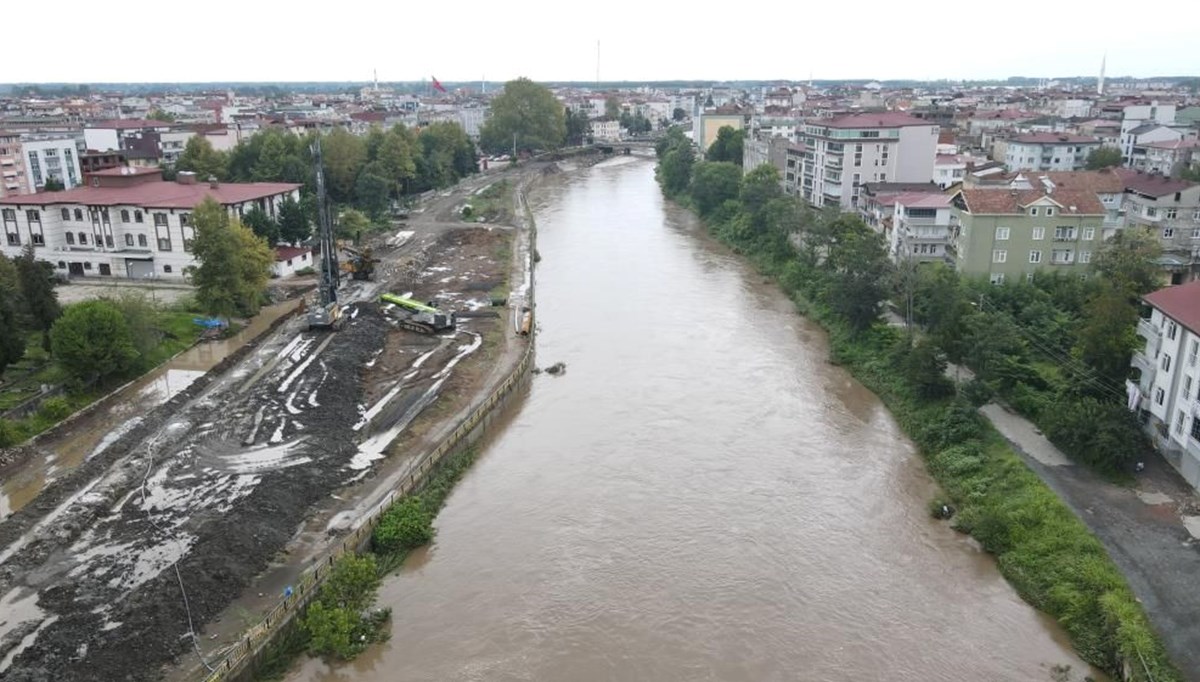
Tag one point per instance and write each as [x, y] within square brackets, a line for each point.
[11, 433]
[957, 423]
[1103, 435]
[55, 409]
[334, 622]
[92, 341]
[976, 392]
[405, 525]
[925, 369]
[1027, 400]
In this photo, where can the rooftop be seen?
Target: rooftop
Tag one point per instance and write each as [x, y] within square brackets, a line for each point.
[1105, 181]
[1004, 201]
[1175, 144]
[885, 119]
[1181, 303]
[1054, 138]
[162, 194]
[128, 170]
[283, 253]
[1150, 184]
[128, 124]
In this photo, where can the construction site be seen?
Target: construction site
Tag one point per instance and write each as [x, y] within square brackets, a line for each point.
[147, 556]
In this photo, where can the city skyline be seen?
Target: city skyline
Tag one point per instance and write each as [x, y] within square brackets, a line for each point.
[253, 43]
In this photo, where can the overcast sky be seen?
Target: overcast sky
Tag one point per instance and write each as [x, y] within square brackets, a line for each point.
[313, 40]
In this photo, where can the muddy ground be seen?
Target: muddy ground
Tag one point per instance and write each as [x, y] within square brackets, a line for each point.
[209, 489]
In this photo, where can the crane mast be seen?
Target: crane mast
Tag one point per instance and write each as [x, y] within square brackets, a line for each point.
[327, 313]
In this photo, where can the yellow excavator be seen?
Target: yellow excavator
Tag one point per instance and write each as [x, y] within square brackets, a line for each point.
[359, 263]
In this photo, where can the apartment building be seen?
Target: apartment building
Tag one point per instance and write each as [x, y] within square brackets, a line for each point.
[923, 228]
[706, 125]
[1165, 158]
[1049, 152]
[1165, 385]
[1135, 116]
[50, 156]
[846, 152]
[126, 222]
[1169, 209]
[606, 130]
[1007, 233]
[12, 165]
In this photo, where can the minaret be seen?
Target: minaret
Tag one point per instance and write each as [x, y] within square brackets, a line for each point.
[1100, 81]
[375, 73]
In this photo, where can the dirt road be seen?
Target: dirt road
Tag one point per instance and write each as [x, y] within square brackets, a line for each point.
[114, 570]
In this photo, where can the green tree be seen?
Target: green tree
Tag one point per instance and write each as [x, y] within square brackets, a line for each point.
[371, 192]
[713, 183]
[759, 188]
[91, 341]
[675, 170]
[859, 268]
[447, 155]
[53, 184]
[36, 279]
[1103, 157]
[141, 318]
[293, 223]
[612, 108]
[352, 223]
[344, 156]
[262, 225]
[268, 167]
[577, 126]
[160, 115]
[678, 114]
[728, 146]
[234, 262]
[1128, 261]
[526, 112]
[200, 158]
[1105, 338]
[395, 151]
[12, 340]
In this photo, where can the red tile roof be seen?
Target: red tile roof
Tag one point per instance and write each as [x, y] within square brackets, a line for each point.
[156, 194]
[1181, 303]
[885, 119]
[1175, 144]
[1151, 185]
[128, 170]
[128, 124]
[1053, 138]
[1004, 201]
[1099, 181]
[283, 253]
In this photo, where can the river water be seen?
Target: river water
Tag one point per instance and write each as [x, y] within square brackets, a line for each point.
[700, 497]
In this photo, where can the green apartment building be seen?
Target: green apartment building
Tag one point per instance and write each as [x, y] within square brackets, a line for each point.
[1004, 234]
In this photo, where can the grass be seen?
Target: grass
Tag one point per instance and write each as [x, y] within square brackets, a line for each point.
[493, 204]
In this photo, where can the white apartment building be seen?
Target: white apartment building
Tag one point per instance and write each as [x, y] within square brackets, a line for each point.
[606, 130]
[126, 222]
[846, 152]
[922, 228]
[48, 157]
[1166, 383]
[1049, 152]
[1168, 158]
[12, 165]
[471, 119]
[1137, 115]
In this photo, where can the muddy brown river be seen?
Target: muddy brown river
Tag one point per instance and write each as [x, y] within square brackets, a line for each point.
[700, 497]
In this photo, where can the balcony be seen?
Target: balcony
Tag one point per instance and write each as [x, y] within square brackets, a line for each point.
[1147, 330]
[1146, 369]
[834, 162]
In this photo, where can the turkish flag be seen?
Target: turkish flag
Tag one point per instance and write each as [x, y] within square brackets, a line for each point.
[436, 85]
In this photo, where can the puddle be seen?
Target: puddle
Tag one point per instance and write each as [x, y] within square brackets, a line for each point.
[1154, 498]
[92, 434]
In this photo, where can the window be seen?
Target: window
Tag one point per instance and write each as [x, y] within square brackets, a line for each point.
[1193, 352]
[1170, 213]
[141, 240]
[1050, 211]
[1151, 212]
[1168, 232]
[1033, 211]
[137, 216]
[997, 278]
[999, 256]
[1187, 387]
[62, 265]
[70, 238]
[108, 240]
[1064, 233]
[1172, 330]
[38, 239]
[1001, 234]
[83, 238]
[160, 219]
[1196, 233]
[1159, 394]
[164, 243]
[79, 215]
[1089, 233]
[1035, 256]
[1196, 214]
[14, 239]
[66, 214]
[10, 214]
[1039, 233]
[166, 268]
[1179, 420]
[185, 219]
[128, 240]
[1085, 256]
[124, 215]
[87, 265]
[1166, 362]
[33, 215]
[1029, 277]
[1196, 429]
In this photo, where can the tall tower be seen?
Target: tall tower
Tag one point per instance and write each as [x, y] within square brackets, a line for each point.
[375, 73]
[1100, 81]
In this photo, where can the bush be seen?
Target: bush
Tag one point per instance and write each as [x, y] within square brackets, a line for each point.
[957, 423]
[92, 341]
[405, 525]
[11, 433]
[976, 392]
[1028, 400]
[55, 409]
[1103, 435]
[334, 622]
[925, 369]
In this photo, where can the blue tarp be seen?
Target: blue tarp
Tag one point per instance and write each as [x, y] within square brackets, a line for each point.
[208, 322]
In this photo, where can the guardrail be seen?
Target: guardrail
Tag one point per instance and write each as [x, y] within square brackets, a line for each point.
[256, 639]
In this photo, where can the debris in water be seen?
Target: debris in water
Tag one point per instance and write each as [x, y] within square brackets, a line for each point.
[556, 369]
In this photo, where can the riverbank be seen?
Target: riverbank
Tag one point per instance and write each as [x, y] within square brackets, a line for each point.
[1040, 546]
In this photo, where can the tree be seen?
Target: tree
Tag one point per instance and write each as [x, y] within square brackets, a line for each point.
[344, 155]
[234, 262]
[1103, 157]
[1128, 261]
[678, 114]
[859, 267]
[612, 108]
[352, 222]
[371, 192]
[160, 115]
[395, 151]
[526, 112]
[141, 318]
[759, 188]
[577, 126]
[447, 154]
[1105, 338]
[261, 224]
[53, 184]
[36, 279]
[200, 158]
[12, 340]
[293, 223]
[91, 341]
[728, 146]
[713, 183]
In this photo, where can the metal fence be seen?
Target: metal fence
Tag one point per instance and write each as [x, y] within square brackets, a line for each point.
[311, 579]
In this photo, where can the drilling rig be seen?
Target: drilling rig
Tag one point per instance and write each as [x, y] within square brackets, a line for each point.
[326, 314]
